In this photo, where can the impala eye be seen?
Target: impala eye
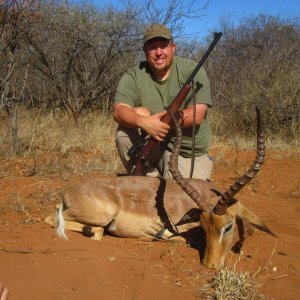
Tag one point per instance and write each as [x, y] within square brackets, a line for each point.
[227, 228]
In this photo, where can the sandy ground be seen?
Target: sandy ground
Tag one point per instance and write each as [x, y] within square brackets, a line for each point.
[35, 264]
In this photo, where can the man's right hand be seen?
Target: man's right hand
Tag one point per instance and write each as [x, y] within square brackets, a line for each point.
[140, 118]
[154, 126]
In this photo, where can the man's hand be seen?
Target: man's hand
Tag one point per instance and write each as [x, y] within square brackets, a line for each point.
[154, 126]
[139, 117]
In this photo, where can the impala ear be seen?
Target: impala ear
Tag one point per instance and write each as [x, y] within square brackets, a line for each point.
[192, 216]
[249, 217]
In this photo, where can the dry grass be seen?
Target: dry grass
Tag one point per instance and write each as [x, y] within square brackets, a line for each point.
[50, 143]
[226, 135]
[227, 284]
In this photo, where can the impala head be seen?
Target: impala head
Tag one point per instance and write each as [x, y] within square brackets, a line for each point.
[228, 223]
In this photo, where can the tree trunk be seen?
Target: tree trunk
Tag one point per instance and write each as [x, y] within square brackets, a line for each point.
[12, 110]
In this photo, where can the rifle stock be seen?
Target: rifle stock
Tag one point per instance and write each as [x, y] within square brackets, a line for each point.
[150, 143]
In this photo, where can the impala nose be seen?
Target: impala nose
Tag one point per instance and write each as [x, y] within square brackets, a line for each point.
[212, 263]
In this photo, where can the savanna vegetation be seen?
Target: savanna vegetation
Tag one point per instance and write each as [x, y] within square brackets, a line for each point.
[60, 63]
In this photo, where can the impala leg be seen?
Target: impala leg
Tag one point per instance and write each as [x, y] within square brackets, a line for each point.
[98, 233]
[94, 232]
[51, 220]
[165, 234]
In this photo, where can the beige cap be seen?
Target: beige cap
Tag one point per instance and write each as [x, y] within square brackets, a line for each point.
[155, 31]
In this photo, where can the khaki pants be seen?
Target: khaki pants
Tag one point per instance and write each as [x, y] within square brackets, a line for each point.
[126, 137]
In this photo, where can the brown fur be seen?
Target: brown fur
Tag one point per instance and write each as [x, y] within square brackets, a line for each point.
[133, 206]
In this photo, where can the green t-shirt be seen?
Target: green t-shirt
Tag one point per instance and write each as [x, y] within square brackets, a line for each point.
[138, 88]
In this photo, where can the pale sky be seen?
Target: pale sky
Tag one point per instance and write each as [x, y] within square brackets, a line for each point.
[235, 10]
[239, 9]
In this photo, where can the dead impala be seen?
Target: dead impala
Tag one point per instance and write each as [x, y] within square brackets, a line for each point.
[133, 206]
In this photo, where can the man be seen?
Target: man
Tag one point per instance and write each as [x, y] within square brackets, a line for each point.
[142, 95]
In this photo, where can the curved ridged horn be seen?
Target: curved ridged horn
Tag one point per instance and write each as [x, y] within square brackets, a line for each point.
[173, 167]
[223, 202]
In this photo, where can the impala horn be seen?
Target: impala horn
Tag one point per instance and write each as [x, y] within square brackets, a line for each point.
[221, 206]
[173, 167]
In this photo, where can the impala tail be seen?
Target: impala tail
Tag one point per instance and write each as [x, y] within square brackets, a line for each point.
[60, 222]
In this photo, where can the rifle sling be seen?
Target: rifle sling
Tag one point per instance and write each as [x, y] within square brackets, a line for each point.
[193, 131]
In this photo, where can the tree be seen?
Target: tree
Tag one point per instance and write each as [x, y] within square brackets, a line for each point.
[81, 52]
[258, 62]
[16, 19]
[172, 13]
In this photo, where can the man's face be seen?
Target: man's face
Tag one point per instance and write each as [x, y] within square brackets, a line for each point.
[159, 53]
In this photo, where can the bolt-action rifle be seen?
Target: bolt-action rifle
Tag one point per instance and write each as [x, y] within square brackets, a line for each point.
[142, 150]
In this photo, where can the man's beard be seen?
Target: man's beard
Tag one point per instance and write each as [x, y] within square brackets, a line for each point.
[162, 67]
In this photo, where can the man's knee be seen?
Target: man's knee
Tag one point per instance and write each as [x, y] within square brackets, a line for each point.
[204, 167]
[125, 137]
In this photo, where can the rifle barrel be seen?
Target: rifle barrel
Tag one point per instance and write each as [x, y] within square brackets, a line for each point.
[212, 45]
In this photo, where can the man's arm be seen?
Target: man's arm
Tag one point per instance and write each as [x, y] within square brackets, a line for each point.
[127, 116]
[187, 115]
